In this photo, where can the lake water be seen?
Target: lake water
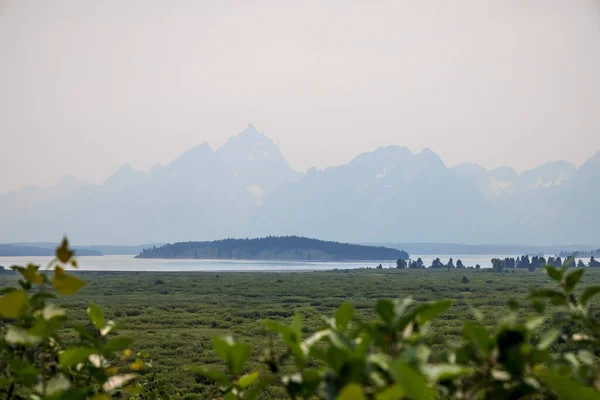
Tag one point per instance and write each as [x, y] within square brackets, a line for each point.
[129, 263]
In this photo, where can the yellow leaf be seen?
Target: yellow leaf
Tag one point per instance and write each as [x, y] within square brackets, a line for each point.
[137, 365]
[66, 284]
[63, 252]
[13, 304]
[352, 391]
[31, 273]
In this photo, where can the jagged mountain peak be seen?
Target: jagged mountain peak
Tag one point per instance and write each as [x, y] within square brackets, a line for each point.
[249, 142]
[125, 175]
[250, 130]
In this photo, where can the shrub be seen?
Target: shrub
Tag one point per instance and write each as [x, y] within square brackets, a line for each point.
[392, 358]
[37, 363]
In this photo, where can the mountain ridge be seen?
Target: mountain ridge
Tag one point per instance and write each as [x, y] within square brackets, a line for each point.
[247, 188]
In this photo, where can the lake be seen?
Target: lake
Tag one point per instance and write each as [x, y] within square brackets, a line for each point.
[129, 263]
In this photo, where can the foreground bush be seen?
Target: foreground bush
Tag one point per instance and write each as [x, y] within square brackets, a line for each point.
[392, 357]
[35, 361]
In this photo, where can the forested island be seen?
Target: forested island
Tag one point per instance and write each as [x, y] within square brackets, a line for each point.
[289, 248]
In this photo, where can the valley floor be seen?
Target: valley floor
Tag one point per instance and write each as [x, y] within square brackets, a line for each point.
[173, 316]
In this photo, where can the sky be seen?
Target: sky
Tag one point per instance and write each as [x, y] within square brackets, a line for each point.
[86, 86]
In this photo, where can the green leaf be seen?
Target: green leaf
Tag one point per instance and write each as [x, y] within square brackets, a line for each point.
[239, 355]
[589, 293]
[343, 315]
[535, 322]
[572, 279]
[96, 315]
[538, 306]
[352, 391]
[412, 382]
[566, 388]
[134, 389]
[222, 346]
[556, 298]
[554, 273]
[278, 328]
[13, 304]
[86, 333]
[118, 343]
[477, 314]
[74, 356]
[255, 390]
[30, 273]
[297, 326]
[230, 396]
[427, 312]
[385, 310]
[548, 338]
[478, 335]
[248, 380]
[26, 372]
[214, 374]
[233, 353]
[63, 252]
[66, 284]
[43, 328]
[393, 392]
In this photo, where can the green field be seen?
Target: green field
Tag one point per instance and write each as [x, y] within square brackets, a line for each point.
[173, 316]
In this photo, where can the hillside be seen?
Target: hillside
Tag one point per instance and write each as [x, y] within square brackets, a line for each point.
[291, 248]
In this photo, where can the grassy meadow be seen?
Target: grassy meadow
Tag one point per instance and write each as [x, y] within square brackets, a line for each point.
[173, 316]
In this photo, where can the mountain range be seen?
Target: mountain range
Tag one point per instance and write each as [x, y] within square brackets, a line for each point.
[246, 188]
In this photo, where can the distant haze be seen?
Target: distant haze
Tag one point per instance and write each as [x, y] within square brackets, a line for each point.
[88, 86]
[246, 188]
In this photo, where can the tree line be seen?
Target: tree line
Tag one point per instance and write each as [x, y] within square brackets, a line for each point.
[580, 253]
[437, 263]
[499, 264]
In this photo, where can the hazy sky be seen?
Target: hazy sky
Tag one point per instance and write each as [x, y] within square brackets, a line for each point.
[86, 86]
